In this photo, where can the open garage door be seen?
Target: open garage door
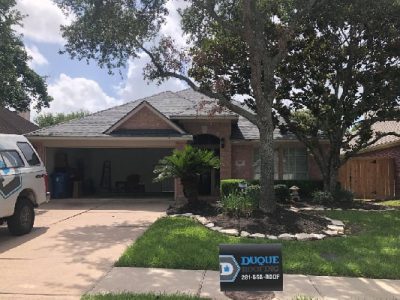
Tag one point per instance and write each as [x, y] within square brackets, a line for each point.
[78, 172]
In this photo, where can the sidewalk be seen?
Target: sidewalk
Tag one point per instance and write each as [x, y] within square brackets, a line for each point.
[206, 284]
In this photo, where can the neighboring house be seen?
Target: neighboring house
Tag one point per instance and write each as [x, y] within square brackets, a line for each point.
[380, 177]
[14, 123]
[117, 149]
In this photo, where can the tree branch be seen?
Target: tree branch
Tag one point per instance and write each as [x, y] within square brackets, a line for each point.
[222, 99]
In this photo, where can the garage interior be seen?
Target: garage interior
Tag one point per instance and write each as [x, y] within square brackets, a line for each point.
[85, 172]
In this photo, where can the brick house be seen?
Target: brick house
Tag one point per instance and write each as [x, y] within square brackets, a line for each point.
[128, 140]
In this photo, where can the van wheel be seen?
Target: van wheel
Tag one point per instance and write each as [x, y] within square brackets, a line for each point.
[21, 222]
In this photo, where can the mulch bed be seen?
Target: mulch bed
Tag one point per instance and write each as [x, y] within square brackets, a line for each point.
[285, 221]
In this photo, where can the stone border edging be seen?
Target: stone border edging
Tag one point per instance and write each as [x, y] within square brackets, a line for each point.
[336, 228]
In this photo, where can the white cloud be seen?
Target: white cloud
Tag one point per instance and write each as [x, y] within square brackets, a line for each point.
[172, 26]
[37, 58]
[73, 94]
[135, 87]
[43, 20]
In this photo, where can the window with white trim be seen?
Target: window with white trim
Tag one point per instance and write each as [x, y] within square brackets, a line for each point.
[295, 165]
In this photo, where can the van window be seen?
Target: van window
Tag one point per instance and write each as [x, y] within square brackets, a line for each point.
[30, 155]
[10, 159]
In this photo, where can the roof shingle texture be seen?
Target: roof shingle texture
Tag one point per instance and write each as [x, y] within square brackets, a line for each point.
[387, 126]
[12, 123]
[186, 103]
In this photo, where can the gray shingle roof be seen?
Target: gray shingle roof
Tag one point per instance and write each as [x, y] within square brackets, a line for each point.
[185, 103]
[12, 123]
[96, 124]
[387, 126]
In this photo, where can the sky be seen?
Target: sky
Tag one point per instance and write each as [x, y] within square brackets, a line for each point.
[74, 84]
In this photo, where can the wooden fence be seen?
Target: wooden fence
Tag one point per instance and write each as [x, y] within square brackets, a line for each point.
[369, 178]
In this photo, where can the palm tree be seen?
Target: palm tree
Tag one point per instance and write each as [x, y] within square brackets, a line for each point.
[187, 164]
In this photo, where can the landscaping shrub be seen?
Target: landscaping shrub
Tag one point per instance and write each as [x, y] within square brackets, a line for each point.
[229, 186]
[238, 204]
[307, 187]
[321, 197]
[282, 193]
[343, 196]
[253, 192]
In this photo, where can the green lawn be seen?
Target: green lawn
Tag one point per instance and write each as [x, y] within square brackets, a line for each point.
[371, 250]
[128, 296]
[390, 203]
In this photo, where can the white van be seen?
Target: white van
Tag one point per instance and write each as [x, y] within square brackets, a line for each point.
[23, 183]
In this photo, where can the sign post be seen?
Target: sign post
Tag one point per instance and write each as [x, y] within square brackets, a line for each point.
[251, 267]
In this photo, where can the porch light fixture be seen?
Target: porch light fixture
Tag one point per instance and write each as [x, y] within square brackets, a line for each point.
[222, 143]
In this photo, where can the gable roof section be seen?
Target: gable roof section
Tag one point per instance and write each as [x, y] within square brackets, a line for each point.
[171, 105]
[96, 124]
[119, 126]
[12, 123]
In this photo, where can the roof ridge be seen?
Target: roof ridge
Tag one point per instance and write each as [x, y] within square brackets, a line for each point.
[129, 102]
[97, 112]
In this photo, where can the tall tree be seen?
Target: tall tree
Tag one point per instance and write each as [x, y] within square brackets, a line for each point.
[19, 84]
[49, 119]
[342, 76]
[111, 32]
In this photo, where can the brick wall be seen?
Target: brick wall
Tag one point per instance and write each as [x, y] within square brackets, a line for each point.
[242, 161]
[393, 152]
[145, 119]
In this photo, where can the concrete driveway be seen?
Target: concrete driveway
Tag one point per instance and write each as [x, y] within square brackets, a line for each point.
[73, 245]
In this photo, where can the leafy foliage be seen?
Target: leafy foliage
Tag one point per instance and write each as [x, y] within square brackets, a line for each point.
[322, 197]
[49, 119]
[307, 187]
[19, 84]
[239, 204]
[341, 76]
[187, 164]
[228, 186]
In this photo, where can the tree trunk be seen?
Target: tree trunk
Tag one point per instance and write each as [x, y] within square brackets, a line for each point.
[267, 196]
[331, 179]
[190, 191]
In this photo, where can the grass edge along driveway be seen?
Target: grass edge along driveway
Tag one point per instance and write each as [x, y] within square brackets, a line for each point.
[150, 296]
[371, 248]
